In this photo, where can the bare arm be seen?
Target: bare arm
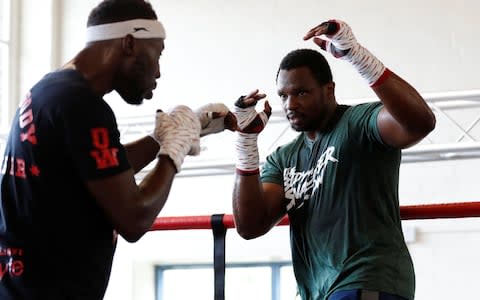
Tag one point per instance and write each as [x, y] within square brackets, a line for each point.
[131, 208]
[141, 152]
[257, 207]
[406, 117]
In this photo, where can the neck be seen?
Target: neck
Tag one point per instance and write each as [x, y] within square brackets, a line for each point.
[328, 121]
[97, 65]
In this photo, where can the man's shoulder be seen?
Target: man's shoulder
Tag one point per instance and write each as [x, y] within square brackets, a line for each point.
[65, 79]
[287, 148]
[364, 107]
[60, 89]
[356, 113]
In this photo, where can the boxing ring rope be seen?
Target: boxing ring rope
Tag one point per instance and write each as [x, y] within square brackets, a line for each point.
[407, 212]
[219, 223]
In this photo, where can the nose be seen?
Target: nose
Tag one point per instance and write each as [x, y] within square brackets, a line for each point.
[291, 103]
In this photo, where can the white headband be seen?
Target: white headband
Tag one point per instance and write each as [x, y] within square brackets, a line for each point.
[138, 28]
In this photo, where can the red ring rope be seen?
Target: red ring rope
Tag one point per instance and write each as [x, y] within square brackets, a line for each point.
[408, 212]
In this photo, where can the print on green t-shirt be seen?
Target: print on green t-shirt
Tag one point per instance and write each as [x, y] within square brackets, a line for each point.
[341, 195]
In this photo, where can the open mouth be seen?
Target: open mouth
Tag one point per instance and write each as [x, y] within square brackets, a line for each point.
[295, 121]
[149, 94]
[293, 117]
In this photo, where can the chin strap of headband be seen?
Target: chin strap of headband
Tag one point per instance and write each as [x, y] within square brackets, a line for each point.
[138, 28]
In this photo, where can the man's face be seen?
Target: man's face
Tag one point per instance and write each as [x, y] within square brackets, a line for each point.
[304, 100]
[139, 76]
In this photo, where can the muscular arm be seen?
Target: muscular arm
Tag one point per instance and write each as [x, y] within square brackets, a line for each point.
[141, 152]
[257, 207]
[405, 118]
[131, 208]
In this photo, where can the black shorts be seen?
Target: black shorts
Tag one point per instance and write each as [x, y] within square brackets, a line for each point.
[363, 295]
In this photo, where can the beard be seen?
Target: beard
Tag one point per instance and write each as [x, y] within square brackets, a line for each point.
[134, 88]
[132, 96]
[302, 128]
[300, 123]
[134, 99]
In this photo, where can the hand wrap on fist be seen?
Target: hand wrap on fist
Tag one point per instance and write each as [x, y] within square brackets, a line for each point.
[341, 43]
[178, 134]
[250, 124]
[212, 118]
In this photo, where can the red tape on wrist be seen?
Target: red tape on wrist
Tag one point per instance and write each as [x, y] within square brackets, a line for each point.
[247, 173]
[382, 78]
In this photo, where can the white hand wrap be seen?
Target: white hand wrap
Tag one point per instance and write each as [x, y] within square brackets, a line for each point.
[246, 144]
[178, 134]
[209, 122]
[247, 152]
[186, 119]
[162, 122]
[369, 67]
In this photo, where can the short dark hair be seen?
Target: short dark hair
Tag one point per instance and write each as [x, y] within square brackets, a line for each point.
[110, 11]
[312, 59]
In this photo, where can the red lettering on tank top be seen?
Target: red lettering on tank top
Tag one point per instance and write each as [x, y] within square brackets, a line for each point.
[11, 252]
[26, 118]
[104, 156]
[35, 171]
[14, 268]
[20, 168]
[3, 270]
[11, 262]
[100, 138]
[26, 102]
[12, 163]
[29, 135]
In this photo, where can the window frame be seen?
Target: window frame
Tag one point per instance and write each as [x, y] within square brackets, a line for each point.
[275, 268]
[10, 80]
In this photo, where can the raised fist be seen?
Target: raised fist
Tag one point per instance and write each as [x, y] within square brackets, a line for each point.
[212, 118]
[248, 119]
[178, 134]
[187, 123]
[337, 38]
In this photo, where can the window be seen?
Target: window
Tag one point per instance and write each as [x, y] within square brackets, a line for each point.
[272, 280]
[4, 61]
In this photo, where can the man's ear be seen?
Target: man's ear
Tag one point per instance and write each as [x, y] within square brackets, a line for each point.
[330, 88]
[128, 45]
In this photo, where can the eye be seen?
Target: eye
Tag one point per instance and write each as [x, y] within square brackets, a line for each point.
[302, 93]
[283, 97]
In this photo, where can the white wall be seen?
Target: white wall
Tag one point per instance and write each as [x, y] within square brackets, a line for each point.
[35, 42]
[219, 49]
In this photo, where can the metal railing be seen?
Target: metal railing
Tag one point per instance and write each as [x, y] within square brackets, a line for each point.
[457, 135]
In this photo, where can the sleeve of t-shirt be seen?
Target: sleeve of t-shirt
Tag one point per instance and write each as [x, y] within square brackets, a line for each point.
[364, 124]
[92, 137]
[272, 169]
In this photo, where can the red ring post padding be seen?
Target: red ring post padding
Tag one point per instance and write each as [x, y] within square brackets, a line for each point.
[440, 211]
[408, 212]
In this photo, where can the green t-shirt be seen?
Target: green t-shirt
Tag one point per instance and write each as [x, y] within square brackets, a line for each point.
[341, 194]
